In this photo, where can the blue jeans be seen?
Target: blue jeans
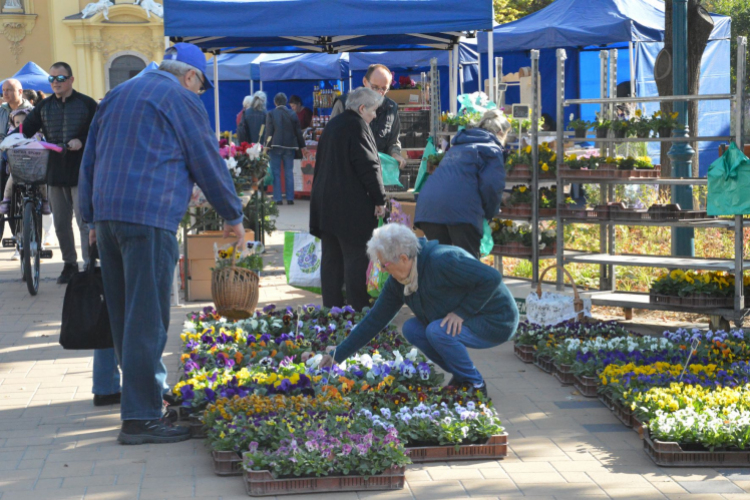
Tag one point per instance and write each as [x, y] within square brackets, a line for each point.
[447, 351]
[287, 155]
[137, 268]
[106, 373]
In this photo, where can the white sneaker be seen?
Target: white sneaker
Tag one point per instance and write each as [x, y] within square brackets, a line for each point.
[16, 255]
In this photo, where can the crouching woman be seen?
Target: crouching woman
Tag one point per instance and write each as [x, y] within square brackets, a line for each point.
[457, 301]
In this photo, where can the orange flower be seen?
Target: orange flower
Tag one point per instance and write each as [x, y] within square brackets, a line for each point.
[274, 353]
[184, 357]
[238, 357]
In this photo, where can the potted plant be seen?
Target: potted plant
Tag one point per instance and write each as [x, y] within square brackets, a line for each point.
[602, 126]
[641, 125]
[433, 161]
[450, 122]
[580, 127]
[621, 128]
[665, 123]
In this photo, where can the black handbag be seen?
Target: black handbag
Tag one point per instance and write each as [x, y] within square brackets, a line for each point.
[85, 319]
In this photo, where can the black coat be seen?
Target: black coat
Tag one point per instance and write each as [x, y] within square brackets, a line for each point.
[347, 183]
[60, 122]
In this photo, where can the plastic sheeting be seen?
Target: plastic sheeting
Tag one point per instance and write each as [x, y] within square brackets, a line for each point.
[372, 24]
[306, 67]
[580, 23]
[33, 77]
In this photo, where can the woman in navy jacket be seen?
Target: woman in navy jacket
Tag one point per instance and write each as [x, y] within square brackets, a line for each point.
[467, 186]
[457, 302]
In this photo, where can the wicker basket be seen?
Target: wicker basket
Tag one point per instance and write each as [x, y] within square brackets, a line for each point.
[234, 291]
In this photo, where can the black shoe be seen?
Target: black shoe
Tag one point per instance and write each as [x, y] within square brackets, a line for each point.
[109, 399]
[169, 399]
[151, 431]
[290, 202]
[68, 272]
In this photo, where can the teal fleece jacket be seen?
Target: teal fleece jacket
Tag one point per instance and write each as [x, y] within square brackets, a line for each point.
[450, 280]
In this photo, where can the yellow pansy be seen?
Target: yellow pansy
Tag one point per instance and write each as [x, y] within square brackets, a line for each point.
[545, 167]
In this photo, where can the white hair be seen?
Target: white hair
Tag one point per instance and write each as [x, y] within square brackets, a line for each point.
[247, 101]
[391, 241]
[259, 101]
[363, 97]
[494, 121]
[177, 68]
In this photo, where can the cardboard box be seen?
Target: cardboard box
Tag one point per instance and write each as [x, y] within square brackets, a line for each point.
[200, 269]
[199, 290]
[410, 209]
[201, 246]
[410, 96]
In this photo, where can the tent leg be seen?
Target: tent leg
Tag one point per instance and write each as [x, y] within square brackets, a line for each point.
[216, 96]
[350, 81]
[461, 77]
[456, 66]
[491, 63]
[633, 93]
[252, 85]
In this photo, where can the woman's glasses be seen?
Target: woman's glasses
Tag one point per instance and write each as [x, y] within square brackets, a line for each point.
[58, 78]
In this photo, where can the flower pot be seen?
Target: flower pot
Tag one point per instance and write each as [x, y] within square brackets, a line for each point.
[586, 385]
[519, 172]
[227, 463]
[601, 133]
[197, 431]
[580, 133]
[665, 132]
[563, 374]
[544, 363]
[621, 133]
[451, 128]
[643, 134]
[524, 352]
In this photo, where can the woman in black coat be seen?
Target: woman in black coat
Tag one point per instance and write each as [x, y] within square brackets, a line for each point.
[347, 198]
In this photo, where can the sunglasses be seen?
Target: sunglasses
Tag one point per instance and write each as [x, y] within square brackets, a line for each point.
[202, 79]
[58, 78]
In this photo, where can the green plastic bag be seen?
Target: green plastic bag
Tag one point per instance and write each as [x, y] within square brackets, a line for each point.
[422, 175]
[389, 169]
[478, 102]
[485, 246]
[268, 179]
[729, 184]
[376, 275]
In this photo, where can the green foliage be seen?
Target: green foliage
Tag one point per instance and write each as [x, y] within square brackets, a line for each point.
[510, 10]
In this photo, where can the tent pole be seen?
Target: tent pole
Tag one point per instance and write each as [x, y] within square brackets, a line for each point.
[632, 70]
[491, 63]
[450, 81]
[261, 85]
[456, 66]
[461, 77]
[480, 87]
[252, 85]
[350, 80]
[216, 96]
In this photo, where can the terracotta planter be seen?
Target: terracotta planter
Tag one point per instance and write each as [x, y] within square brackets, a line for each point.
[262, 483]
[227, 463]
[524, 352]
[495, 447]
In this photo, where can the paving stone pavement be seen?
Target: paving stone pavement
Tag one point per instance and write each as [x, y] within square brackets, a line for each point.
[54, 444]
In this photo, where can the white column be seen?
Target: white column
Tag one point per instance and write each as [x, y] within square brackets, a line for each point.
[632, 69]
[216, 96]
[456, 66]
[491, 64]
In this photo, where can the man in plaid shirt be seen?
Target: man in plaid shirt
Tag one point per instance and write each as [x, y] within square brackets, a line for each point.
[149, 142]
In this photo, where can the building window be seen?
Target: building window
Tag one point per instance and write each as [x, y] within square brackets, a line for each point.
[123, 69]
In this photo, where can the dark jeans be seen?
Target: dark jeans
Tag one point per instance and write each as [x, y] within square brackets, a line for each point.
[342, 263]
[277, 155]
[137, 268]
[461, 235]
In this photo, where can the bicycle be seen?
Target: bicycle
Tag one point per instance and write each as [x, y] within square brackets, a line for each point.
[29, 169]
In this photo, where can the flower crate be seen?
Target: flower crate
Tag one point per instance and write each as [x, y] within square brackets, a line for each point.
[544, 363]
[638, 426]
[586, 385]
[227, 463]
[663, 299]
[520, 210]
[606, 400]
[696, 301]
[599, 213]
[669, 454]
[623, 413]
[563, 374]
[495, 447]
[262, 483]
[524, 352]
[522, 172]
[517, 249]
[197, 431]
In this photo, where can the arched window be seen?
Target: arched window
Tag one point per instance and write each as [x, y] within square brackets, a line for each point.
[124, 68]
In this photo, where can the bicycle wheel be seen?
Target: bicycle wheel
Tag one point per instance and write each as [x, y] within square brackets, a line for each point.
[31, 247]
[16, 223]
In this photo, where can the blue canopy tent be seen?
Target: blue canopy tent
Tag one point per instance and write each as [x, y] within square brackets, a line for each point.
[406, 63]
[151, 66]
[33, 77]
[633, 27]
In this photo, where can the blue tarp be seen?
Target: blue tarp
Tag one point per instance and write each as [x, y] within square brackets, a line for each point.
[306, 67]
[411, 59]
[331, 25]
[240, 67]
[33, 77]
[151, 66]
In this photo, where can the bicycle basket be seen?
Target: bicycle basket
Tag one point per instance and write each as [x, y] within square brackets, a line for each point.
[29, 166]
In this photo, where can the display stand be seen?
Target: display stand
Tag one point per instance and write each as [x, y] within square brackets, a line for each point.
[607, 257]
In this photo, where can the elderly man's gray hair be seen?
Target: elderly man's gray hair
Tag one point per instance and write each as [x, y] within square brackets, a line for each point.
[259, 101]
[280, 99]
[177, 68]
[391, 241]
[494, 121]
[363, 97]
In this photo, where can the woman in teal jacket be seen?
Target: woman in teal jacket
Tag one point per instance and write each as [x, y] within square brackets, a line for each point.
[457, 302]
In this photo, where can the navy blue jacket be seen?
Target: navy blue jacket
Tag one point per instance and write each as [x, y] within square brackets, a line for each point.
[450, 280]
[468, 185]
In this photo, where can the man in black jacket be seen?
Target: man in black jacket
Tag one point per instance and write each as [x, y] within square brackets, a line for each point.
[386, 126]
[64, 119]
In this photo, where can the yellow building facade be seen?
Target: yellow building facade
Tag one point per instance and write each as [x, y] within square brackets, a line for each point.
[105, 41]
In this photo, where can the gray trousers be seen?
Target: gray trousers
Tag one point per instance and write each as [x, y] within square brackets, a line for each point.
[64, 202]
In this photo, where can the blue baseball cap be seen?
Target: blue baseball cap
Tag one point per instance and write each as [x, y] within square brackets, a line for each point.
[189, 54]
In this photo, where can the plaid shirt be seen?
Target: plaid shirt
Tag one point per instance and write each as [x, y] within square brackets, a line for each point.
[149, 142]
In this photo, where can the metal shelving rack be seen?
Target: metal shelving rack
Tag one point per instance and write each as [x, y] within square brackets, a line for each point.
[607, 258]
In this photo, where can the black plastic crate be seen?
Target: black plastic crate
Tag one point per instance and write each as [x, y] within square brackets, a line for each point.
[415, 121]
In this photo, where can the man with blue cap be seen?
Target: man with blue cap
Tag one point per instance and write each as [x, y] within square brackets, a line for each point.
[150, 141]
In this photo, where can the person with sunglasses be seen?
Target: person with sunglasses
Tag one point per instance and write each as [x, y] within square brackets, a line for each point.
[386, 126]
[64, 118]
[150, 142]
